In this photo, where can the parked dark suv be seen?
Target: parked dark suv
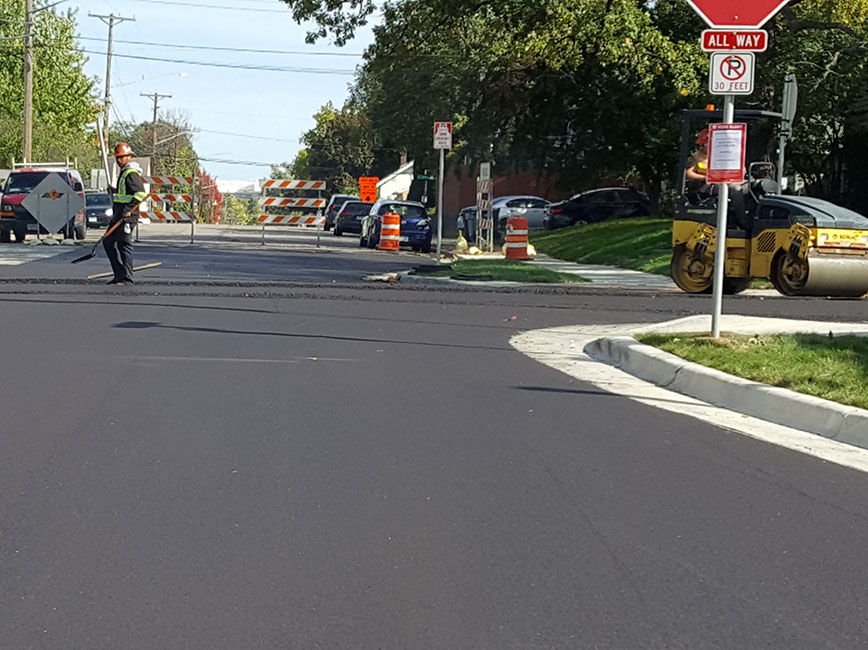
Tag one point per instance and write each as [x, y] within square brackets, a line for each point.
[350, 217]
[596, 205]
[15, 218]
[334, 204]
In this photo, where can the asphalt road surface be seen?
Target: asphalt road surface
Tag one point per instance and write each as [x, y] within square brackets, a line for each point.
[197, 462]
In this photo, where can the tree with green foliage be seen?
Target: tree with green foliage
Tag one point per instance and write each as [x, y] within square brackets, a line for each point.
[64, 110]
[174, 132]
[238, 210]
[590, 89]
[342, 147]
[298, 168]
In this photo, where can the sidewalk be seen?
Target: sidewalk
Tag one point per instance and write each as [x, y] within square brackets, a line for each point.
[609, 275]
[573, 349]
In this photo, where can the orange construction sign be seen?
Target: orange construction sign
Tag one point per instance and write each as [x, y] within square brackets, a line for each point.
[368, 188]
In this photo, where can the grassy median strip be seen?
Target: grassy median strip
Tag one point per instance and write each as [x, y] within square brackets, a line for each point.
[834, 368]
[640, 244]
[498, 270]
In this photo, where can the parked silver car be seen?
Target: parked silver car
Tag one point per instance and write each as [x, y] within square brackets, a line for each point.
[532, 208]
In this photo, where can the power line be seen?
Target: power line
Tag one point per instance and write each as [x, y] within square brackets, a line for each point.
[226, 49]
[244, 135]
[193, 4]
[236, 66]
[53, 4]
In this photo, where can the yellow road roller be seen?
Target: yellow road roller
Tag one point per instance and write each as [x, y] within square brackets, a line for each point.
[804, 246]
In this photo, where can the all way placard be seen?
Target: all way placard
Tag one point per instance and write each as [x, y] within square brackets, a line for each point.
[748, 40]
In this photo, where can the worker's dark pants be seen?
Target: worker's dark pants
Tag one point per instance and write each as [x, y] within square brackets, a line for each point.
[119, 250]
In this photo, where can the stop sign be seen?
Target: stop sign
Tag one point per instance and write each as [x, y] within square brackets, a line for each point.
[724, 14]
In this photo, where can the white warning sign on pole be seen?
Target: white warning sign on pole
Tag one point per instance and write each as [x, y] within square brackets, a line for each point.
[442, 135]
[731, 73]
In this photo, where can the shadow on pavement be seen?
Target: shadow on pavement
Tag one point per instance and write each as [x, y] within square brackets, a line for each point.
[213, 330]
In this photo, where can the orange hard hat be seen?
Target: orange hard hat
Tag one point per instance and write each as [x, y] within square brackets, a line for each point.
[123, 149]
[703, 137]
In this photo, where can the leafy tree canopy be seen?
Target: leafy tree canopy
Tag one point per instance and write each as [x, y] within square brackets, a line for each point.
[63, 107]
[590, 89]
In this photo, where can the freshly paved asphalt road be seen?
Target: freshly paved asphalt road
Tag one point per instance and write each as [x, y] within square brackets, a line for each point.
[204, 465]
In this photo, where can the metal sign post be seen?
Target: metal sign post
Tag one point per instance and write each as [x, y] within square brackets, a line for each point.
[791, 98]
[442, 141]
[720, 251]
[732, 73]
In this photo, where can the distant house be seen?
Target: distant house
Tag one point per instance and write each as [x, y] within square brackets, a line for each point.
[397, 184]
[241, 189]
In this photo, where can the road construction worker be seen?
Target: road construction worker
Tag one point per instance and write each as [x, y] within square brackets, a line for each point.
[697, 165]
[698, 188]
[129, 193]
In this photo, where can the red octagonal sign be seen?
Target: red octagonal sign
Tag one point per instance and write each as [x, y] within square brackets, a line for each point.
[724, 14]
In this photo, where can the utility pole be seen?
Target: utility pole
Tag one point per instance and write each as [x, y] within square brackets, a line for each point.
[109, 20]
[156, 97]
[28, 81]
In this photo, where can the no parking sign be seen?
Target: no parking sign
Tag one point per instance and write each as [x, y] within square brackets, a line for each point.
[732, 73]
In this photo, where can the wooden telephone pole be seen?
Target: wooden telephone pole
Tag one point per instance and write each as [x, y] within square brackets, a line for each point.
[156, 97]
[28, 81]
[109, 20]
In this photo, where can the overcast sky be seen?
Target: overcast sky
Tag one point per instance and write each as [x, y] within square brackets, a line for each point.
[244, 114]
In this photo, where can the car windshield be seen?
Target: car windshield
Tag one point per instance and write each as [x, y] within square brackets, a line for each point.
[98, 200]
[24, 182]
[406, 211]
[356, 207]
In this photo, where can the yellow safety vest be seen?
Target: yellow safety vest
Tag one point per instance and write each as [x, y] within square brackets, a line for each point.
[121, 195]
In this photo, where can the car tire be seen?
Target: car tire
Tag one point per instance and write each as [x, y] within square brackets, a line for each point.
[20, 234]
[425, 248]
[337, 231]
[5, 236]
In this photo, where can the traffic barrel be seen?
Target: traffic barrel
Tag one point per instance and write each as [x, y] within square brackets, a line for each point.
[516, 239]
[390, 233]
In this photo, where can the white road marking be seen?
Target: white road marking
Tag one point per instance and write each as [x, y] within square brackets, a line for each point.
[562, 348]
[238, 359]
[16, 254]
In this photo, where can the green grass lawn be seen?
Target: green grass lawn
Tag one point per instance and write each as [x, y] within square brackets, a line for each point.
[503, 270]
[832, 368]
[640, 244]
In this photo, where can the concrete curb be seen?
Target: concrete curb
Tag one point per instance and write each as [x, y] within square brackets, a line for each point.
[778, 405]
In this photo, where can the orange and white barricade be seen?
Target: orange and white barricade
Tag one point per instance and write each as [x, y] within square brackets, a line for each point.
[289, 184]
[291, 220]
[516, 239]
[164, 191]
[390, 232]
[275, 204]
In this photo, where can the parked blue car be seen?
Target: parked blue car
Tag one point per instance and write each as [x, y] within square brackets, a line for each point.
[415, 224]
